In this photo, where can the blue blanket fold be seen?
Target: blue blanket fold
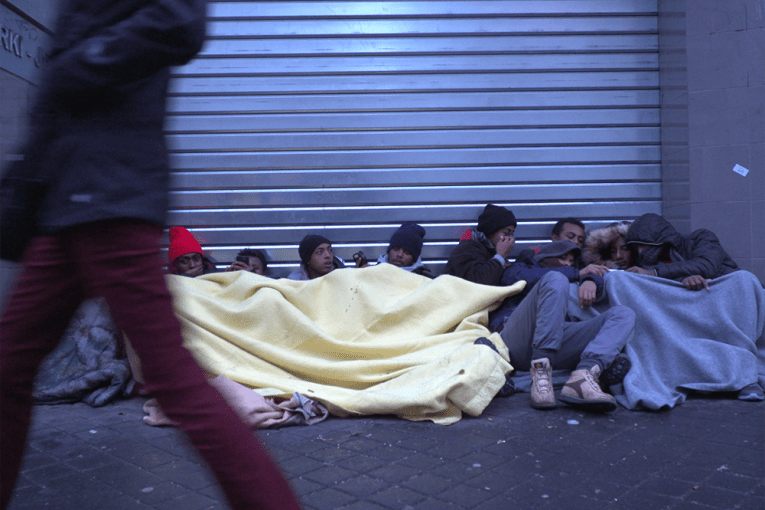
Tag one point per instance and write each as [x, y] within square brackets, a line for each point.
[707, 341]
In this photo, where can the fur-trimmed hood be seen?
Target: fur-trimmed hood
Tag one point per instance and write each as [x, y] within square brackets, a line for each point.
[597, 247]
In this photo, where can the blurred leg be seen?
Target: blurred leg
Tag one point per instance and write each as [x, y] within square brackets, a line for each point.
[38, 312]
[120, 261]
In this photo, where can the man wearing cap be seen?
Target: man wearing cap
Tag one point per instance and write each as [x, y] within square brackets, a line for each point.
[316, 258]
[186, 256]
[405, 248]
[482, 253]
[534, 327]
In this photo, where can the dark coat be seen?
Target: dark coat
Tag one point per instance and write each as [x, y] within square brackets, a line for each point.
[526, 268]
[674, 256]
[96, 126]
[473, 260]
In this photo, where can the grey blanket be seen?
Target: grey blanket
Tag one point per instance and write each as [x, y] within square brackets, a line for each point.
[707, 341]
[89, 364]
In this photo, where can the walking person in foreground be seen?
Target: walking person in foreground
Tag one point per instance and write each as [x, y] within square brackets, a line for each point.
[96, 142]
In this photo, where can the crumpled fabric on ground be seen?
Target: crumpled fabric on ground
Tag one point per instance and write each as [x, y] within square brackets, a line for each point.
[89, 363]
[366, 341]
[253, 409]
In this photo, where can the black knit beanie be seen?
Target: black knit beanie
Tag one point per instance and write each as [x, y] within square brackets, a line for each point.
[408, 236]
[494, 218]
[309, 244]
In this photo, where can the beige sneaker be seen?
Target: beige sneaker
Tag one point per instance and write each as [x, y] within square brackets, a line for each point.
[582, 390]
[542, 394]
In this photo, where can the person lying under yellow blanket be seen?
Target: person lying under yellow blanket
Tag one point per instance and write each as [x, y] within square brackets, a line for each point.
[361, 342]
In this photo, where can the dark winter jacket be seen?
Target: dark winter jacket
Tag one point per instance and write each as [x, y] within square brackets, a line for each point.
[96, 127]
[526, 268]
[473, 259]
[674, 256]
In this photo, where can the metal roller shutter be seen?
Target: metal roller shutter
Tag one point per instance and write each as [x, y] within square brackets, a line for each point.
[348, 118]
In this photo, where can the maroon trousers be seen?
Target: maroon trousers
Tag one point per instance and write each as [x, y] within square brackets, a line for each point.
[120, 261]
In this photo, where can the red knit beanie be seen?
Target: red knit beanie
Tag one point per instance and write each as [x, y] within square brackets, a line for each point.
[181, 243]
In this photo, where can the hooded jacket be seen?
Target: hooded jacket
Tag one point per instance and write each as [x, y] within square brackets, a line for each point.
[96, 128]
[597, 247]
[673, 256]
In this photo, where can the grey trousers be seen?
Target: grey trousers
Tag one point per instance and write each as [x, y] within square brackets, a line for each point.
[538, 329]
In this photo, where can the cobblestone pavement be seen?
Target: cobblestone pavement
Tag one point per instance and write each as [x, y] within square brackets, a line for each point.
[706, 453]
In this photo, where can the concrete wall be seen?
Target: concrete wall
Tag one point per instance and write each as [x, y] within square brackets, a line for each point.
[712, 76]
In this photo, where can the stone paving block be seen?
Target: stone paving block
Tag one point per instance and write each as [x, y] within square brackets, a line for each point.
[362, 445]
[394, 472]
[361, 486]
[637, 499]
[396, 497]
[45, 474]
[422, 461]
[667, 487]
[363, 505]
[329, 475]
[327, 499]
[498, 479]
[160, 492]
[388, 436]
[390, 453]
[418, 444]
[481, 459]
[189, 501]
[146, 456]
[734, 482]
[332, 455]
[298, 466]
[185, 473]
[59, 444]
[360, 464]
[92, 459]
[303, 487]
[436, 504]
[714, 496]
[127, 478]
[427, 483]
[465, 495]
[34, 459]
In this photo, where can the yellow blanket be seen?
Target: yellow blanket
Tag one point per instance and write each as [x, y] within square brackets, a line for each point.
[377, 340]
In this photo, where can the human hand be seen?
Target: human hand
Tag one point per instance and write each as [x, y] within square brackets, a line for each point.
[194, 272]
[505, 246]
[640, 270]
[695, 282]
[587, 292]
[595, 269]
[238, 265]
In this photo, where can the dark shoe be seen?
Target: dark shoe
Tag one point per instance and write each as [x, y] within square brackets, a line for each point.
[615, 373]
[509, 387]
[583, 391]
[488, 343]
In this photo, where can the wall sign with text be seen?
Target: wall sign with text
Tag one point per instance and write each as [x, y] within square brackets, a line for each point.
[23, 46]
